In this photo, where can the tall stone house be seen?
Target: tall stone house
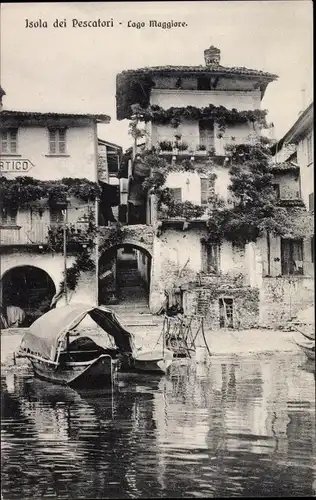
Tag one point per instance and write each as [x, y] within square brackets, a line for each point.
[44, 148]
[261, 283]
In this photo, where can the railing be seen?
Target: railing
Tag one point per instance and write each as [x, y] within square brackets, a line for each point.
[35, 233]
[191, 145]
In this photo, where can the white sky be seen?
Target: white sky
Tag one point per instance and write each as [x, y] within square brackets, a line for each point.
[74, 69]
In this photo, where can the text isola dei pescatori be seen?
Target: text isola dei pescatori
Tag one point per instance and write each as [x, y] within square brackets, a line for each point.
[101, 23]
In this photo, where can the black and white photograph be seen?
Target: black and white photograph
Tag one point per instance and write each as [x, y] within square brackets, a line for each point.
[157, 250]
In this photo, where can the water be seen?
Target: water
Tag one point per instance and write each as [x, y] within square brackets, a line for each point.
[238, 426]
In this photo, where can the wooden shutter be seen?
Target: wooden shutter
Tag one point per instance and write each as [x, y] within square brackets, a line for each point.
[206, 131]
[204, 191]
[62, 141]
[52, 141]
[4, 141]
[311, 202]
[13, 140]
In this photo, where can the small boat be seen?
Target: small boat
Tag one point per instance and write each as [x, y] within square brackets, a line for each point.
[60, 353]
[309, 350]
[154, 361]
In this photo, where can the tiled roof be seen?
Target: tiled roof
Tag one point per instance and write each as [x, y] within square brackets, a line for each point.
[37, 114]
[285, 167]
[206, 70]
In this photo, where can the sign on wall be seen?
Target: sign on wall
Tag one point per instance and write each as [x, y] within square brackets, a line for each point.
[15, 165]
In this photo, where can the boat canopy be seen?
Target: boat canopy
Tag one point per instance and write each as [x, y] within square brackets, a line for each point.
[46, 332]
[306, 316]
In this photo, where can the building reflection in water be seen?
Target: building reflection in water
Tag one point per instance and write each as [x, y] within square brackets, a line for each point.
[232, 427]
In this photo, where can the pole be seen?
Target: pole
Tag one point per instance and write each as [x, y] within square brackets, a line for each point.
[97, 250]
[65, 253]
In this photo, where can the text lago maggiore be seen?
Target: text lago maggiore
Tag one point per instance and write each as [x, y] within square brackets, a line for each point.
[101, 23]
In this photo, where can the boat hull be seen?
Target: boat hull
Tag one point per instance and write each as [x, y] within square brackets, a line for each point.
[153, 361]
[89, 373]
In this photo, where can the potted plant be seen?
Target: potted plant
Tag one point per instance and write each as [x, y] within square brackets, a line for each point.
[183, 146]
[200, 150]
[165, 145]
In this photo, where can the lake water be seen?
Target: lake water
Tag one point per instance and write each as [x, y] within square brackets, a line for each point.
[236, 426]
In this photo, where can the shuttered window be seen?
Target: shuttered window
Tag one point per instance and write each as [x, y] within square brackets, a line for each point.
[8, 216]
[8, 142]
[176, 194]
[311, 202]
[57, 141]
[56, 215]
[292, 256]
[204, 191]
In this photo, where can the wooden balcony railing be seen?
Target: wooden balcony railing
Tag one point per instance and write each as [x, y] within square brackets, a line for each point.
[31, 234]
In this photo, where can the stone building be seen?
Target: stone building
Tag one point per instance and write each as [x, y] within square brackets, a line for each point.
[36, 151]
[179, 111]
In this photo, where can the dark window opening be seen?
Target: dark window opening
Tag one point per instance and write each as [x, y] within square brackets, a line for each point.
[8, 216]
[226, 312]
[212, 258]
[203, 83]
[56, 215]
[292, 257]
[276, 189]
[176, 194]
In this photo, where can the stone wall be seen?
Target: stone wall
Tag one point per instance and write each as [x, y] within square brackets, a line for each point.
[205, 301]
[281, 298]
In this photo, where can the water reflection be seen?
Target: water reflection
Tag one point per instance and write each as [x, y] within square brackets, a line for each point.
[232, 427]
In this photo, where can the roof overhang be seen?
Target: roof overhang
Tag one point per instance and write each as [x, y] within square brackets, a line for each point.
[8, 117]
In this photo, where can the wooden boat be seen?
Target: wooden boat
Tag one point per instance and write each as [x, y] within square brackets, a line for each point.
[60, 355]
[153, 361]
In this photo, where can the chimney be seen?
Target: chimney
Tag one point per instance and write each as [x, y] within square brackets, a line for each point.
[212, 56]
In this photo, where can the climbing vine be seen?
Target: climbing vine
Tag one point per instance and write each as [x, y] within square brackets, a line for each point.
[219, 114]
[23, 190]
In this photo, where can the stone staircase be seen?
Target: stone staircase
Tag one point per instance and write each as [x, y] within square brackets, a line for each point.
[133, 309]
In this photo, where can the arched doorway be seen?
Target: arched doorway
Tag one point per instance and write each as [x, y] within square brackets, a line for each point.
[124, 275]
[28, 289]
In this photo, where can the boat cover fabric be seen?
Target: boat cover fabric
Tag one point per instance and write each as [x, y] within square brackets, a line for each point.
[306, 315]
[44, 334]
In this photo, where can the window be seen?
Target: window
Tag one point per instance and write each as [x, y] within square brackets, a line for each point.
[212, 258]
[8, 216]
[204, 83]
[56, 215]
[176, 194]
[276, 189]
[291, 256]
[311, 202]
[8, 144]
[226, 313]
[206, 132]
[309, 149]
[204, 191]
[57, 141]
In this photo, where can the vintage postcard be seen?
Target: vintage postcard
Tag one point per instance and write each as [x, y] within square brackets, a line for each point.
[157, 250]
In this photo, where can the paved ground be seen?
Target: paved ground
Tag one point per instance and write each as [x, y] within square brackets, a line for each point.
[220, 342]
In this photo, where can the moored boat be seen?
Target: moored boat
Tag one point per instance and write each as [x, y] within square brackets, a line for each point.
[304, 325]
[60, 355]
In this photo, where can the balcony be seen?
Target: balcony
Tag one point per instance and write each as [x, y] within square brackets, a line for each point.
[192, 146]
[32, 234]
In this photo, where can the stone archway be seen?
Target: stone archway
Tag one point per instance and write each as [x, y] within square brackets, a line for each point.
[125, 275]
[26, 288]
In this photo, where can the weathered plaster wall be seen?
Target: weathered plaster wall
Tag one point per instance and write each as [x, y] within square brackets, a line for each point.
[240, 100]
[281, 299]
[190, 184]
[306, 168]
[289, 185]
[33, 144]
